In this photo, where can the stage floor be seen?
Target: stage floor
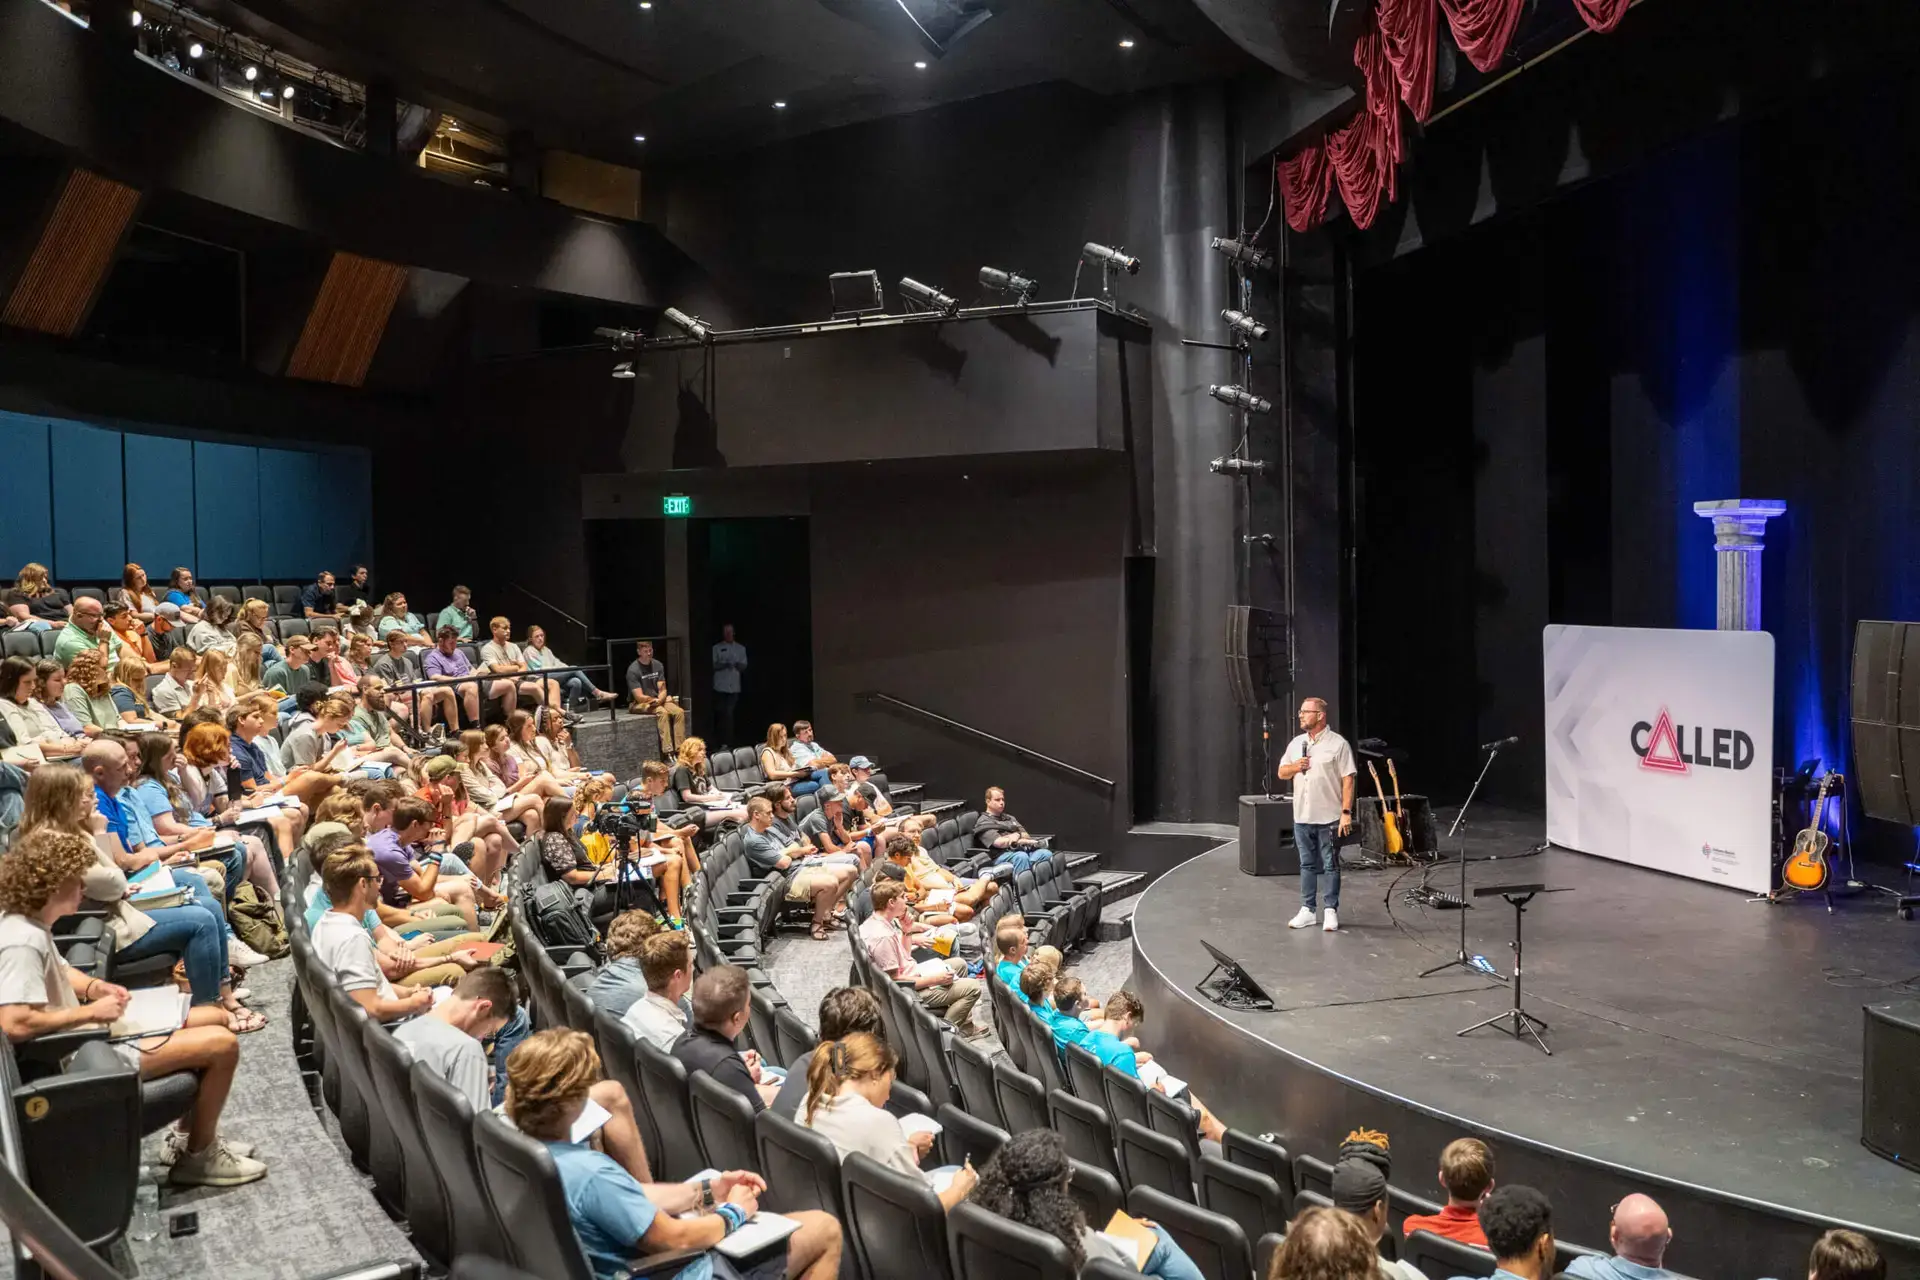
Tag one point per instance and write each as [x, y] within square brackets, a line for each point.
[1696, 1036]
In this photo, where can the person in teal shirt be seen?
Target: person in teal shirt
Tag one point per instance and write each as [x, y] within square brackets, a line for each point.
[1010, 944]
[459, 615]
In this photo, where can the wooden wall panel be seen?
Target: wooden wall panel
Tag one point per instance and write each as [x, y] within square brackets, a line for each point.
[348, 317]
[75, 250]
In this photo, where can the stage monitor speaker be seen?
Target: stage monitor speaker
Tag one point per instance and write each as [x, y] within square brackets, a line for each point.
[1266, 837]
[1886, 720]
[1256, 655]
[1890, 1089]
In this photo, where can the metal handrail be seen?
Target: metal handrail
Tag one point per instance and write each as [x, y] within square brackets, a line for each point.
[1027, 753]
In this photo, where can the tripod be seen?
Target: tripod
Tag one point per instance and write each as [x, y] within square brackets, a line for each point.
[1462, 959]
[1523, 1023]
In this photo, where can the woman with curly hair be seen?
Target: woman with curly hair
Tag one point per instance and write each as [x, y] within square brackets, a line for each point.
[42, 879]
[1026, 1182]
[1325, 1244]
[617, 1216]
[89, 691]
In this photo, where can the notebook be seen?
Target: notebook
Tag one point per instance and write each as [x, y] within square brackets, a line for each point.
[1154, 1074]
[916, 1123]
[1133, 1238]
[151, 1011]
[763, 1230]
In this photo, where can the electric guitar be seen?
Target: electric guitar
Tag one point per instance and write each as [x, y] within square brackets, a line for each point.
[1806, 868]
[1406, 832]
[1395, 845]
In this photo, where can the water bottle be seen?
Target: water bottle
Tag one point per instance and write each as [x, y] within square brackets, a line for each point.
[145, 1225]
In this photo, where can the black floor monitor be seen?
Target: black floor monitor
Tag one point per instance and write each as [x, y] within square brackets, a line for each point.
[1235, 987]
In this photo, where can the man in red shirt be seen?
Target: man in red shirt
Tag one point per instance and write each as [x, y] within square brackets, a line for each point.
[1466, 1171]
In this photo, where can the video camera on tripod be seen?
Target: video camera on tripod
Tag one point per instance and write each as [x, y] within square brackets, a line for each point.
[625, 824]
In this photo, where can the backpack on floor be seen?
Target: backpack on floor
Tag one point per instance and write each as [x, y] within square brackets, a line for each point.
[560, 919]
[257, 921]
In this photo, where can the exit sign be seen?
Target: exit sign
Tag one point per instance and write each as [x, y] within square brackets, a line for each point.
[676, 504]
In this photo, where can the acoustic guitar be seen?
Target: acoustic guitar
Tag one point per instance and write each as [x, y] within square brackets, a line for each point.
[1806, 867]
[1406, 831]
[1395, 845]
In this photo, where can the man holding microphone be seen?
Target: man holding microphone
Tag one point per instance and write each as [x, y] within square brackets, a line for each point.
[1320, 764]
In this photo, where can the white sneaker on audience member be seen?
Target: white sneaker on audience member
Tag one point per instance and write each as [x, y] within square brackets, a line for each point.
[174, 1145]
[243, 955]
[217, 1166]
[1332, 924]
[1302, 919]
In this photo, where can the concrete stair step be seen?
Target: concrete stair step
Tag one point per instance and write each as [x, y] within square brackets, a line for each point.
[1116, 918]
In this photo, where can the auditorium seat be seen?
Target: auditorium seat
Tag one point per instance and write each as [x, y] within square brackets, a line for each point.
[1023, 1099]
[1251, 1199]
[24, 644]
[73, 1093]
[894, 1223]
[1097, 1192]
[1217, 1245]
[973, 1078]
[423, 1195]
[1149, 1159]
[384, 1159]
[722, 1123]
[1175, 1119]
[226, 592]
[258, 591]
[1310, 1174]
[1261, 1156]
[1083, 1075]
[1263, 1250]
[802, 1168]
[664, 1081]
[1438, 1256]
[1126, 1096]
[1085, 1129]
[1402, 1205]
[446, 1125]
[291, 626]
[286, 602]
[931, 1036]
[615, 1041]
[964, 1136]
[986, 1246]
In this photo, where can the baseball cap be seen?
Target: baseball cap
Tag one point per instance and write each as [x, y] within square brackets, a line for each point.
[1358, 1185]
[829, 794]
[440, 766]
[861, 762]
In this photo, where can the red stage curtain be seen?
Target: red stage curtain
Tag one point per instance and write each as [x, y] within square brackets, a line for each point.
[1304, 187]
[1484, 28]
[1365, 153]
[1602, 15]
[1407, 33]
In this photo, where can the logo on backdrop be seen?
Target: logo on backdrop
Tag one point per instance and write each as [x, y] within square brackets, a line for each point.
[1662, 746]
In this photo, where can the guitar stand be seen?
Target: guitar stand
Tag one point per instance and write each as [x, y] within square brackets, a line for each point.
[1522, 1022]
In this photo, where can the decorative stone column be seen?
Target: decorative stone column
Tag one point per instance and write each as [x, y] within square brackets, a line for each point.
[1739, 536]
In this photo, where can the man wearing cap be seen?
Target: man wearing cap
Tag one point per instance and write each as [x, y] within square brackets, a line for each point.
[1360, 1187]
[826, 831]
[863, 770]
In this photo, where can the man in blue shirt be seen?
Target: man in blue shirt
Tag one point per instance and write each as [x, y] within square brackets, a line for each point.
[1519, 1225]
[317, 599]
[1639, 1235]
[621, 983]
[1010, 944]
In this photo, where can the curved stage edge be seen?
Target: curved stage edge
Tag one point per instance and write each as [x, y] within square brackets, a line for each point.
[1367, 1043]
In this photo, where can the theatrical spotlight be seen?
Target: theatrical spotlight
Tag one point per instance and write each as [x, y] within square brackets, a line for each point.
[1101, 255]
[1229, 467]
[698, 330]
[620, 339]
[928, 296]
[623, 370]
[1245, 325]
[1241, 398]
[1245, 254]
[1000, 281]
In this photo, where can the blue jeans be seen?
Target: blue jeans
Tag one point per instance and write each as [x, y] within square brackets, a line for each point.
[505, 1041]
[576, 686]
[819, 779]
[196, 933]
[13, 801]
[1169, 1261]
[1318, 857]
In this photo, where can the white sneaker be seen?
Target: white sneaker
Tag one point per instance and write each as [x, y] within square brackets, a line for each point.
[1302, 919]
[217, 1166]
[1332, 924]
[243, 955]
[174, 1145]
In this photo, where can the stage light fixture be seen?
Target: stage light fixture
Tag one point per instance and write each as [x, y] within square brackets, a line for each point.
[1126, 44]
[1242, 323]
[619, 339]
[1241, 398]
[1101, 255]
[919, 66]
[287, 93]
[780, 106]
[693, 328]
[135, 18]
[1238, 467]
[251, 74]
[928, 296]
[624, 370]
[196, 50]
[1000, 281]
[1245, 254]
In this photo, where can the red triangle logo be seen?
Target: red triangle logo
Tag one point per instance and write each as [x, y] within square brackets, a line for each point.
[1663, 747]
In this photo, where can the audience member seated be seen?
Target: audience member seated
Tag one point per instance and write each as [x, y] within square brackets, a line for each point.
[1001, 834]
[449, 1036]
[863, 769]
[358, 588]
[720, 1009]
[445, 662]
[672, 833]
[622, 980]
[459, 615]
[647, 692]
[826, 830]
[344, 946]
[501, 656]
[936, 981]
[249, 668]
[1330, 1244]
[1517, 1222]
[575, 683]
[410, 874]
[393, 618]
[567, 859]
[129, 694]
[89, 692]
[807, 753]
[254, 779]
[1026, 1182]
[33, 603]
[1010, 947]
[932, 887]
[660, 1016]
[1466, 1171]
[142, 601]
[1640, 1235]
[705, 802]
[848, 1083]
[458, 821]
[87, 629]
[421, 960]
[777, 762]
[160, 801]
[188, 601]
[41, 880]
[211, 631]
[619, 1218]
[398, 665]
[554, 741]
[295, 668]
[843, 1011]
[133, 635]
[486, 789]
[317, 598]
[826, 887]
[252, 621]
[29, 720]
[345, 670]
[1845, 1255]
[1360, 1187]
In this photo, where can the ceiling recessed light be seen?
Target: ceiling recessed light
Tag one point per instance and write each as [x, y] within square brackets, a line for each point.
[251, 73]
[779, 106]
[646, 4]
[1126, 44]
[196, 50]
[639, 137]
[919, 66]
[135, 18]
[287, 92]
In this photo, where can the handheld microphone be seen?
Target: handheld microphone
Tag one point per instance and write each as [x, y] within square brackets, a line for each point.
[1501, 745]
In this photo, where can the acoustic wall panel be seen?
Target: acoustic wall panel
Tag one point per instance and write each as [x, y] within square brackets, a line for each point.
[226, 512]
[296, 522]
[75, 251]
[343, 329]
[160, 505]
[89, 505]
[346, 479]
[26, 494]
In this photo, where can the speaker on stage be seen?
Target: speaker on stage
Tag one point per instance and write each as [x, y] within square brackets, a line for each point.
[1266, 837]
[1886, 720]
[1890, 1091]
[1256, 655]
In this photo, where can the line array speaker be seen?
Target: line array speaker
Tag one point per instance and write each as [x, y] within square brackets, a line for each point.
[1886, 719]
[1256, 655]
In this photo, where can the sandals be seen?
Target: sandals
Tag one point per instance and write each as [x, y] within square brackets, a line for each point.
[244, 1020]
[821, 933]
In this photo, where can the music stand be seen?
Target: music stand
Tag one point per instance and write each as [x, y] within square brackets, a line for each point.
[1236, 988]
[1522, 1022]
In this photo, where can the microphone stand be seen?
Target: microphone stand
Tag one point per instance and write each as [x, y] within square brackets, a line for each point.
[1461, 958]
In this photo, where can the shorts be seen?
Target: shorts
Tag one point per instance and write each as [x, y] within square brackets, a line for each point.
[807, 883]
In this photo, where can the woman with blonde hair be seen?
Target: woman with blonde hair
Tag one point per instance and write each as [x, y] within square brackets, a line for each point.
[247, 660]
[776, 761]
[705, 803]
[506, 764]
[212, 676]
[848, 1083]
[129, 693]
[89, 691]
[347, 668]
[33, 603]
[617, 1217]
[252, 621]
[485, 786]
[42, 879]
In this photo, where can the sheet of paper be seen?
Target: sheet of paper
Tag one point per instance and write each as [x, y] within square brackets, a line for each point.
[940, 1180]
[1154, 1074]
[916, 1123]
[930, 969]
[592, 1116]
[151, 1011]
[939, 897]
[762, 1230]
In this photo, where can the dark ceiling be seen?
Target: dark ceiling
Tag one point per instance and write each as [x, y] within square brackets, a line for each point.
[699, 77]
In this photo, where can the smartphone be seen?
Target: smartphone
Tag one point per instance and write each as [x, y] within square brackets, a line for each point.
[183, 1224]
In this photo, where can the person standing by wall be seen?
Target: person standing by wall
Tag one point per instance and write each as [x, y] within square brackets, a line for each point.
[729, 660]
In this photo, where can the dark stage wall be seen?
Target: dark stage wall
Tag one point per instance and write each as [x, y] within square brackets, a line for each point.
[1734, 318]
